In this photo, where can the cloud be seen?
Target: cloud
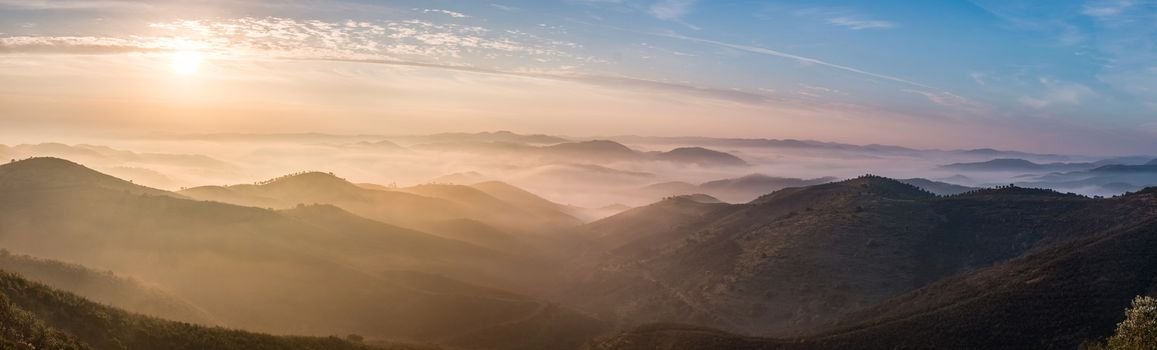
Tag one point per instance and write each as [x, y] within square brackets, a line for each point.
[1058, 93]
[444, 12]
[671, 10]
[858, 24]
[619, 82]
[844, 17]
[504, 7]
[948, 99]
[74, 4]
[82, 45]
[802, 59]
[979, 78]
[350, 42]
[1106, 9]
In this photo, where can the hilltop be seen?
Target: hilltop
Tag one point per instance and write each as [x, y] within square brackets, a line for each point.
[47, 173]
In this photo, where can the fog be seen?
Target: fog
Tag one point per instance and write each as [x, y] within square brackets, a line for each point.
[590, 178]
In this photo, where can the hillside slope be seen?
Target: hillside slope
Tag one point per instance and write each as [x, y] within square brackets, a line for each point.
[798, 259]
[105, 287]
[1057, 298]
[37, 317]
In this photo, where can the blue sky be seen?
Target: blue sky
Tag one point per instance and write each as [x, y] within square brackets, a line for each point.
[1058, 75]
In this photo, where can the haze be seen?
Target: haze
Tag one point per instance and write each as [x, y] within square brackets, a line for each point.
[578, 174]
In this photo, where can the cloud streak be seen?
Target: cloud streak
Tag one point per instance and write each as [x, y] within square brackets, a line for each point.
[858, 24]
[671, 10]
[798, 58]
[444, 12]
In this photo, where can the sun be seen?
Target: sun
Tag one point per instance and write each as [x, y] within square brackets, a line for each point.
[186, 62]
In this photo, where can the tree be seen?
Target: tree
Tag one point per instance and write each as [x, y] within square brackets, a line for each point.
[1139, 329]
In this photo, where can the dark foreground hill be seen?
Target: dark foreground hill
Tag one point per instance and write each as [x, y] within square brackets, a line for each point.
[33, 316]
[1057, 298]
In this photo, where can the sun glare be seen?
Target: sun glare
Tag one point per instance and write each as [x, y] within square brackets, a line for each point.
[186, 62]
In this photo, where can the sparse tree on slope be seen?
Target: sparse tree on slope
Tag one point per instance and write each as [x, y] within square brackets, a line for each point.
[1139, 329]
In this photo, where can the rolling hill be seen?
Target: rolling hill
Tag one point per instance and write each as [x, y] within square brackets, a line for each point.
[415, 206]
[1055, 298]
[800, 258]
[701, 156]
[105, 287]
[313, 270]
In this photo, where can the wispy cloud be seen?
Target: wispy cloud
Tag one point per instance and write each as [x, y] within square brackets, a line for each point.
[798, 58]
[1105, 9]
[1057, 93]
[74, 4]
[81, 45]
[979, 78]
[948, 99]
[504, 7]
[673, 10]
[858, 24]
[444, 12]
[845, 17]
[273, 37]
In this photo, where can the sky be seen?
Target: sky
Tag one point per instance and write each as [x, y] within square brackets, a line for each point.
[1056, 76]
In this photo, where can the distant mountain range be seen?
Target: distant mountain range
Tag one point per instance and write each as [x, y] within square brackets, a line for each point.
[1017, 165]
[800, 145]
[594, 151]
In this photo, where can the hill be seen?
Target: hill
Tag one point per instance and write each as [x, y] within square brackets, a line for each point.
[417, 206]
[1016, 164]
[700, 156]
[105, 287]
[733, 190]
[799, 258]
[938, 187]
[638, 223]
[501, 205]
[59, 174]
[1056, 298]
[324, 188]
[312, 270]
[586, 152]
[1103, 180]
[496, 136]
[530, 202]
[37, 317]
[596, 150]
[746, 188]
